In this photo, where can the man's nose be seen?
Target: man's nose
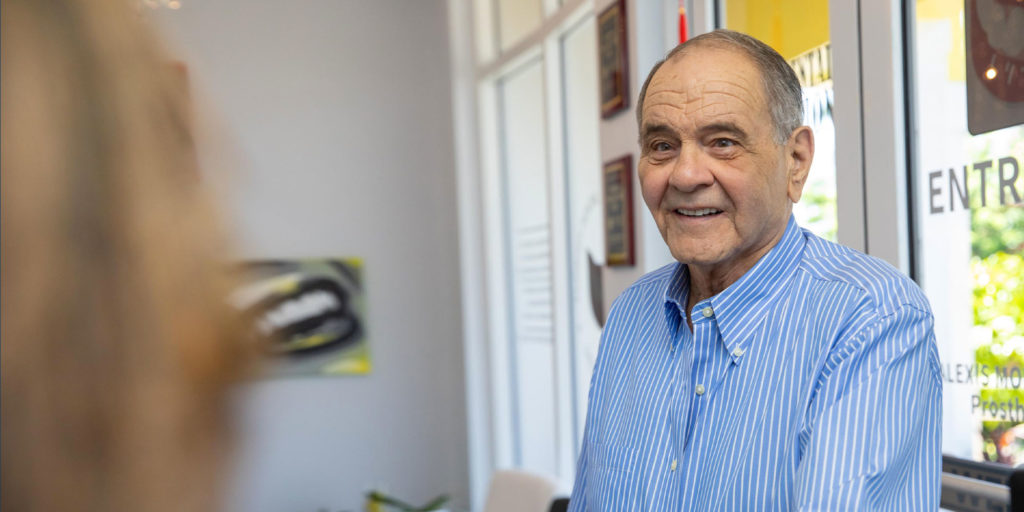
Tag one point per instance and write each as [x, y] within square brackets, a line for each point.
[691, 171]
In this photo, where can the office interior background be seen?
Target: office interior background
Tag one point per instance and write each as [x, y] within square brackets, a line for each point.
[456, 147]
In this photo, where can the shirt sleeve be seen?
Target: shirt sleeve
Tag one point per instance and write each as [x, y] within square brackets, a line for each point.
[578, 500]
[872, 436]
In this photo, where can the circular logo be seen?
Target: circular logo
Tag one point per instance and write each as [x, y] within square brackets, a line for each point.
[997, 46]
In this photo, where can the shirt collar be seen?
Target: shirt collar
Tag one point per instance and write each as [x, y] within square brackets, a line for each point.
[740, 308]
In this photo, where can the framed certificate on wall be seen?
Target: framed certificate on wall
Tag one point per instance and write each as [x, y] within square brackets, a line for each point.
[618, 212]
[614, 59]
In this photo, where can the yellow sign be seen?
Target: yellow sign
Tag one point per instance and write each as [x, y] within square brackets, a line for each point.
[792, 27]
[814, 66]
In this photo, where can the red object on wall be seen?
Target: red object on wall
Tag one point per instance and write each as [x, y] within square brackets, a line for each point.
[682, 23]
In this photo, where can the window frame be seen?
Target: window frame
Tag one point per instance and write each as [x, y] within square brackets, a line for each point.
[490, 351]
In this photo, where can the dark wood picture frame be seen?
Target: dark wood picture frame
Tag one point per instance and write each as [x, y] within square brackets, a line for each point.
[613, 59]
[617, 184]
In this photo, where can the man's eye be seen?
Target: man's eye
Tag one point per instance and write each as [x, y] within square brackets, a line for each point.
[723, 143]
[661, 146]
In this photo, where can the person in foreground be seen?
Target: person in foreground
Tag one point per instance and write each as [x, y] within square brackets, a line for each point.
[768, 369]
[119, 348]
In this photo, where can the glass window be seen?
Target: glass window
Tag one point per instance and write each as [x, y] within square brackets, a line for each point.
[583, 185]
[799, 31]
[967, 94]
[545, 223]
[528, 239]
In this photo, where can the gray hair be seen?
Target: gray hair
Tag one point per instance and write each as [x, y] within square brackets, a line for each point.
[781, 86]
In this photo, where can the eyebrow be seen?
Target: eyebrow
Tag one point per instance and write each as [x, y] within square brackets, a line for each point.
[650, 130]
[655, 129]
[724, 126]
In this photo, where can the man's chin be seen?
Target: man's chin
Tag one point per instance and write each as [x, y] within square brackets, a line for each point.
[701, 257]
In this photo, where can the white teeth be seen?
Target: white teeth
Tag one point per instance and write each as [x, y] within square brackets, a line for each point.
[698, 213]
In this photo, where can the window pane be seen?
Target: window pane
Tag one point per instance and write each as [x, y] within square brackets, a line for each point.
[583, 173]
[516, 18]
[799, 31]
[528, 238]
[969, 216]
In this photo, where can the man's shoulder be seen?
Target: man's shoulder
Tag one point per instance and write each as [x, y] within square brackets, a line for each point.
[655, 281]
[875, 280]
[658, 277]
[648, 290]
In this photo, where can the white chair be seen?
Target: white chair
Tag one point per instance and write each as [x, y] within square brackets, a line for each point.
[519, 491]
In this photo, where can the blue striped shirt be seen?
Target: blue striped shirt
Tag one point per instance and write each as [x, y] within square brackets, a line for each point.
[811, 383]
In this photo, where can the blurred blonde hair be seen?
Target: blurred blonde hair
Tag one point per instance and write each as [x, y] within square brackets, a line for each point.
[117, 351]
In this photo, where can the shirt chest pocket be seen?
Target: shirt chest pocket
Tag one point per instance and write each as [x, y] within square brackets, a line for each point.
[612, 481]
[613, 457]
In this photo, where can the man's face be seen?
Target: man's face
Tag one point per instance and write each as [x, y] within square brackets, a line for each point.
[718, 184]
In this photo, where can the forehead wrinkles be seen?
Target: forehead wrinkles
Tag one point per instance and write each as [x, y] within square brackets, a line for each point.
[703, 97]
[725, 91]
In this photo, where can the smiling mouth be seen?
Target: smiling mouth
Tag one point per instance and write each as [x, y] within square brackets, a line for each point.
[700, 212]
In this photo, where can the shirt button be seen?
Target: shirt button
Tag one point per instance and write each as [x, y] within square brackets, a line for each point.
[707, 312]
[699, 389]
[673, 466]
[738, 352]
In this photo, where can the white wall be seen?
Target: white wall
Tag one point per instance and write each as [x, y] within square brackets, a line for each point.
[339, 113]
[646, 45]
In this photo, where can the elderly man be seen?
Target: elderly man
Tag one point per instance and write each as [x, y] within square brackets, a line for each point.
[768, 369]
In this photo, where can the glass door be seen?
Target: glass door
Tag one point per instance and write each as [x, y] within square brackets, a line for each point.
[967, 91]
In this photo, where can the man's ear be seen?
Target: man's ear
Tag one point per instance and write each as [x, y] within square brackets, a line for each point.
[799, 154]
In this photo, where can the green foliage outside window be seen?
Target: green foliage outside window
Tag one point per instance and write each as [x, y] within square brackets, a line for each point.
[819, 207]
[997, 268]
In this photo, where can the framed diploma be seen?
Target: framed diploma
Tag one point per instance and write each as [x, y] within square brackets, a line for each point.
[618, 212]
[614, 59]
